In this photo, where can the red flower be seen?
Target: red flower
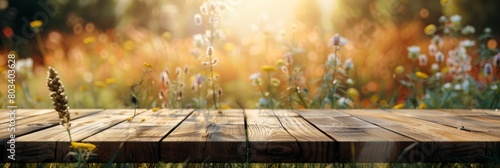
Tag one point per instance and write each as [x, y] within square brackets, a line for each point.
[8, 32]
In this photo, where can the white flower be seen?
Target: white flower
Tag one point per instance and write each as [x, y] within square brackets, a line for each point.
[447, 85]
[333, 59]
[443, 19]
[344, 101]
[467, 43]
[197, 19]
[254, 76]
[494, 87]
[456, 18]
[433, 49]
[348, 64]
[422, 60]
[438, 75]
[457, 87]
[468, 30]
[435, 67]
[413, 52]
[487, 30]
[439, 57]
[350, 81]
[338, 41]
[24, 65]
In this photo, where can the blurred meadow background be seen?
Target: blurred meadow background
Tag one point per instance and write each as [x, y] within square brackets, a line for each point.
[263, 54]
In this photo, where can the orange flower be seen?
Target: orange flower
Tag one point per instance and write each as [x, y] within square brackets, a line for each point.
[8, 32]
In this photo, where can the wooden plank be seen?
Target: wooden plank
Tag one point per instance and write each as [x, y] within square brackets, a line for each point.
[484, 123]
[357, 140]
[207, 136]
[41, 146]
[31, 124]
[23, 113]
[436, 142]
[140, 138]
[284, 136]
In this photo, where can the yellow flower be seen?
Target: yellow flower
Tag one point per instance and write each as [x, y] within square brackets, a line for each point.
[399, 106]
[36, 24]
[374, 98]
[155, 109]
[422, 106]
[421, 75]
[166, 35]
[430, 29]
[100, 84]
[383, 102]
[84, 146]
[128, 45]
[275, 82]
[268, 68]
[225, 107]
[280, 62]
[88, 40]
[353, 93]
[148, 65]
[110, 80]
[399, 70]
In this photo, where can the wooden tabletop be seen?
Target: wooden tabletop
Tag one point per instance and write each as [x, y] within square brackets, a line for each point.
[264, 136]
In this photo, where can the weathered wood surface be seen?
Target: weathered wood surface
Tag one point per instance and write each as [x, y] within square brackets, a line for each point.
[207, 136]
[261, 135]
[52, 144]
[283, 136]
[140, 135]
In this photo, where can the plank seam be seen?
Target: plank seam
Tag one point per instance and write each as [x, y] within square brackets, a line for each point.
[296, 139]
[335, 142]
[172, 130]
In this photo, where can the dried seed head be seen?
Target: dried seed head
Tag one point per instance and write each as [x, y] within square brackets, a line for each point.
[210, 51]
[59, 98]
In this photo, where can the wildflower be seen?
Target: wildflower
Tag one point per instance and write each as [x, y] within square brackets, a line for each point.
[399, 106]
[435, 67]
[210, 51]
[443, 19]
[333, 59]
[8, 32]
[413, 52]
[433, 49]
[422, 106]
[348, 64]
[399, 70]
[494, 87]
[488, 69]
[164, 77]
[219, 92]
[421, 75]
[268, 68]
[468, 30]
[422, 60]
[284, 69]
[204, 9]
[215, 61]
[199, 79]
[254, 76]
[487, 30]
[438, 75]
[439, 57]
[262, 101]
[24, 65]
[457, 87]
[492, 44]
[289, 58]
[338, 41]
[349, 81]
[353, 93]
[155, 109]
[496, 60]
[344, 102]
[36, 24]
[456, 18]
[430, 29]
[179, 95]
[83, 146]
[197, 19]
[467, 43]
[447, 86]
[88, 40]
[147, 65]
[275, 82]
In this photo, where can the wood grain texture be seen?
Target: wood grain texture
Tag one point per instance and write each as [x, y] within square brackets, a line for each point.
[22, 113]
[436, 142]
[56, 138]
[207, 136]
[284, 136]
[357, 140]
[138, 137]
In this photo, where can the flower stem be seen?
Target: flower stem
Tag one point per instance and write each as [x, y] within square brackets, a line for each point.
[40, 44]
